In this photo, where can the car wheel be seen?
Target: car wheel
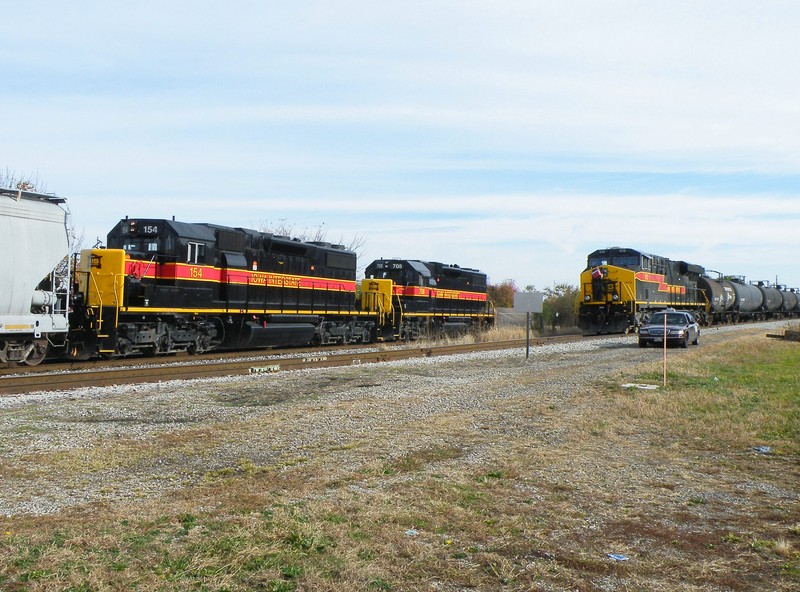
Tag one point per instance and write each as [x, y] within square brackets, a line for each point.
[685, 342]
[697, 340]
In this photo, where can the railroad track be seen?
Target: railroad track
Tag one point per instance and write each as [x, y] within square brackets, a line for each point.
[59, 379]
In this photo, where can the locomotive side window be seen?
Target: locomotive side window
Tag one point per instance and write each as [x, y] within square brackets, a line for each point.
[195, 253]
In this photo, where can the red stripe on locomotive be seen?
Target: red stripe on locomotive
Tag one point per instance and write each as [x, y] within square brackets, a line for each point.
[182, 271]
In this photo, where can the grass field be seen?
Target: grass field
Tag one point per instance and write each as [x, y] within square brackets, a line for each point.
[678, 481]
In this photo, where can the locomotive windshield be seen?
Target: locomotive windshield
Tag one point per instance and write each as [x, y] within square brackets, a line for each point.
[142, 245]
[627, 261]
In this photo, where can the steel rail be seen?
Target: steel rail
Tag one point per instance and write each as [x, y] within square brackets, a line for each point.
[97, 377]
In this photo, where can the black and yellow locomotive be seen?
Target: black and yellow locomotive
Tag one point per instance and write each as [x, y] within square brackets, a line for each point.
[162, 286]
[620, 288]
[429, 298]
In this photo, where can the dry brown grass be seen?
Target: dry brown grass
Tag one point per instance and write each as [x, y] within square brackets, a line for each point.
[529, 493]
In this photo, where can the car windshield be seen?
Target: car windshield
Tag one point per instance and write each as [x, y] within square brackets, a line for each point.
[672, 319]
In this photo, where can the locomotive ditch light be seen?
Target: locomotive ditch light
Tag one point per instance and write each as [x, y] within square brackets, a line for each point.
[587, 298]
[615, 297]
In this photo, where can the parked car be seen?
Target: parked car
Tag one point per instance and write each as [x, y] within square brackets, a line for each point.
[681, 329]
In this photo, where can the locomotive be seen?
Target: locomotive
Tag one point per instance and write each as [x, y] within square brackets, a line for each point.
[432, 298]
[621, 287]
[164, 286]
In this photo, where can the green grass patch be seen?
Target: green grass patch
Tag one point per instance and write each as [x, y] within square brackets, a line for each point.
[738, 397]
[538, 503]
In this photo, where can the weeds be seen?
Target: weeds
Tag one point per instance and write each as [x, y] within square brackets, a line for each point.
[667, 478]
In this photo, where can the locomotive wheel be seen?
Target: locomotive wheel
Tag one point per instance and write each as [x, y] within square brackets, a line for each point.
[83, 347]
[196, 347]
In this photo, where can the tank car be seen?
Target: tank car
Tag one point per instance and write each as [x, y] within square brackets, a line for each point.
[731, 299]
[749, 299]
[34, 238]
[771, 299]
[621, 287]
[417, 298]
[790, 304]
[720, 295]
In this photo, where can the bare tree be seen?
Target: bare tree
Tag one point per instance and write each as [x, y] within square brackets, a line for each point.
[282, 227]
[11, 180]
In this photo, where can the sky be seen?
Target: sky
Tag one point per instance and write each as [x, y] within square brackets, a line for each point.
[514, 137]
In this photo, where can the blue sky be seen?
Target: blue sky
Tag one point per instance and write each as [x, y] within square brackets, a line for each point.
[511, 136]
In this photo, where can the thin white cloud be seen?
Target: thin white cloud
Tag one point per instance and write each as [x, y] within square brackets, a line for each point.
[471, 115]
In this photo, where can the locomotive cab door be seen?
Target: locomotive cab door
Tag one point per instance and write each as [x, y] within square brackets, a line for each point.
[233, 284]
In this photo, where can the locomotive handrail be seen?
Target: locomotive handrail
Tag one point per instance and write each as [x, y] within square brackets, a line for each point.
[99, 317]
[117, 297]
[630, 293]
[399, 322]
[146, 269]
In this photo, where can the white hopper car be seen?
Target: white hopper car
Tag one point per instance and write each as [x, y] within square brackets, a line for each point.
[34, 267]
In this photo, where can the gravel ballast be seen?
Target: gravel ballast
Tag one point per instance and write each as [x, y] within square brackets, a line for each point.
[115, 444]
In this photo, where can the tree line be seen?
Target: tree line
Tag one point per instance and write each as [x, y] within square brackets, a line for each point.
[560, 301]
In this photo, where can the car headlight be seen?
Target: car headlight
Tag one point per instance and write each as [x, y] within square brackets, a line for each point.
[644, 332]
